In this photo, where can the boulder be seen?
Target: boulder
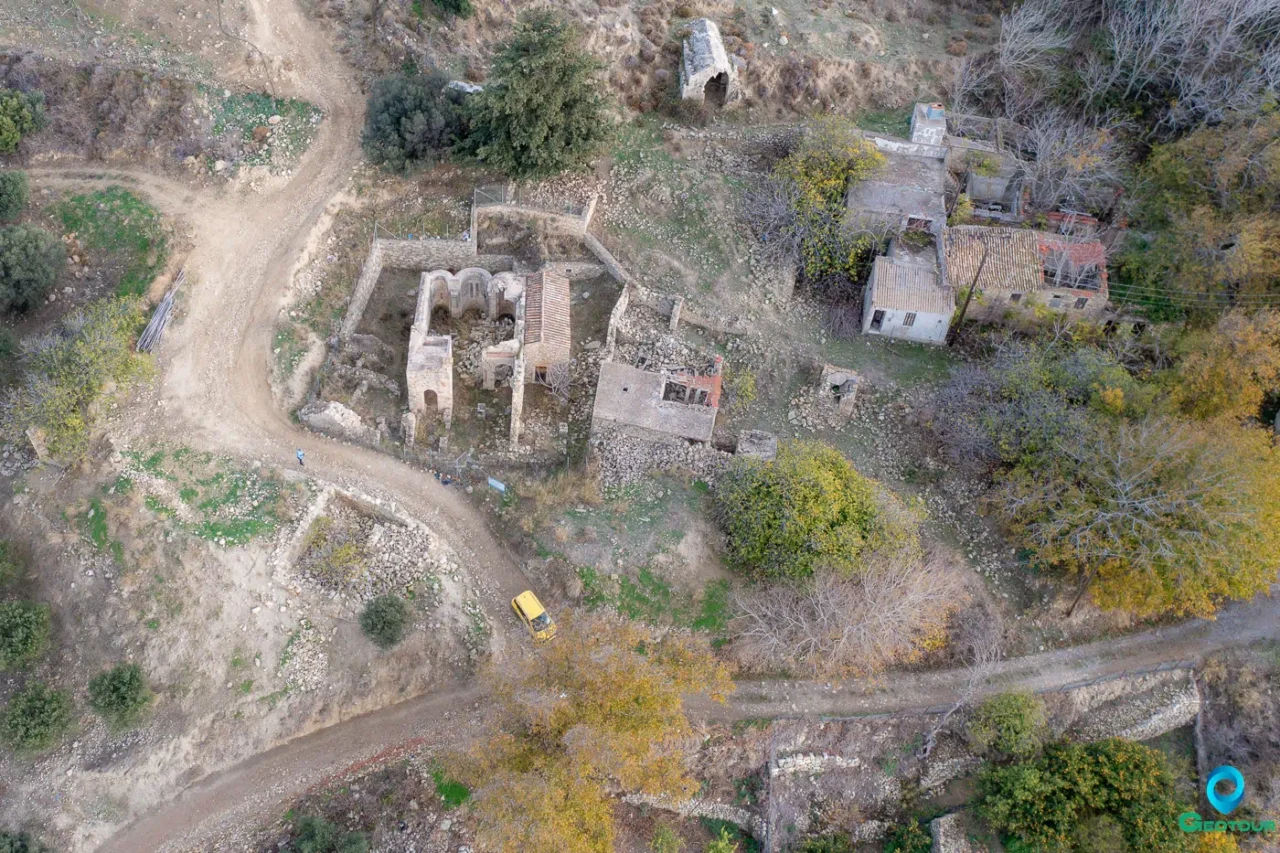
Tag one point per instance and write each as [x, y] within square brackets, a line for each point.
[333, 418]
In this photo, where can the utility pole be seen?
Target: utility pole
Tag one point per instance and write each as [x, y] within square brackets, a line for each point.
[973, 285]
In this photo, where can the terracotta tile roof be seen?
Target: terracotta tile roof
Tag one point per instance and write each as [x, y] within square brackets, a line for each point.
[909, 287]
[546, 309]
[1013, 258]
[1081, 265]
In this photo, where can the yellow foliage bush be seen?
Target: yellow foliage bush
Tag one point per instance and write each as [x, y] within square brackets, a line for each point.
[598, 710]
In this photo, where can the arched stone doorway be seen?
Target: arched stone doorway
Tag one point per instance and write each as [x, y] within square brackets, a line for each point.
[716, 93]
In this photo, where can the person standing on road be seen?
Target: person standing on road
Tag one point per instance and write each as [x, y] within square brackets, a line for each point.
[300, 462]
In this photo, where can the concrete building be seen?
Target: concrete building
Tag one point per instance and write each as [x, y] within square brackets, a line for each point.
[905, 300]
[929, 124]
[674, 403]
[707, 74]
[1022, 266]
[908, 194]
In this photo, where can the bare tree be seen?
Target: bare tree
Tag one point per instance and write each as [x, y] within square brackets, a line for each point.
[980, 637]
[1030, 35]
[558, 380]
[833, 625]
[769, 209]
[1074, 160]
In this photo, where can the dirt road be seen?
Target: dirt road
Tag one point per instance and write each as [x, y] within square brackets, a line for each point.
[263, 785]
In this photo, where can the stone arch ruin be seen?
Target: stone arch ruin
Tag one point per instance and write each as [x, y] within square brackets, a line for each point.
[538, 304]
[707, 74]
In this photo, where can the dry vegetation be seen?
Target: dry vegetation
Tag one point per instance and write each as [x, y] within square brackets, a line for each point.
[797, 57]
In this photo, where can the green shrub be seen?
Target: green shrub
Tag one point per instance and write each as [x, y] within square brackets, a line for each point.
[723, 843]
[411, 121]
[1043, 802]
[384, 620]
[30, 260]
[909, 837]
[21, 113]
[13, 194]
[461, 8]
[666, 840]
[805, 510]
[312, 834]
[543, 109]
[36, 718]
[120, 694]
[827, 844]
[10, 568]
[68, 371]
[24, 632]
[1009, 724]
[20, 842]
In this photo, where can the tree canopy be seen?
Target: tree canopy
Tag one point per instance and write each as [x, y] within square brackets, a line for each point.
[411, 121]
[1208, 207]
[1163, 517]
[1043, 801]
[543, 109]
[1134, 464]
[30, 260]
[13, 194]
[596, 711]
[806, 509]
[21, 113]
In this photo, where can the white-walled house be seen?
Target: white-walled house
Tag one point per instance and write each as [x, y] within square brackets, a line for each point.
[905, 300]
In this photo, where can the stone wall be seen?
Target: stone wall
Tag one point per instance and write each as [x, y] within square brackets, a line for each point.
[426, 254]
[615, 320]
[606, 258]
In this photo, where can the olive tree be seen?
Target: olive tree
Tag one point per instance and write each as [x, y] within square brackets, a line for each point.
[30, 260]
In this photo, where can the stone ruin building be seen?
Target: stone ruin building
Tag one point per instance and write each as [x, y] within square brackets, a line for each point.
[706, 71]
[537, 306]
[525, 336]
[652, 380]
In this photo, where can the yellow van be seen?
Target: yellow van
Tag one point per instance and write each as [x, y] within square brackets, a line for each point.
[535, 617]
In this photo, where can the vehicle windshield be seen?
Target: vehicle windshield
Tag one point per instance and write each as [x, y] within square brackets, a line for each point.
[541, 622]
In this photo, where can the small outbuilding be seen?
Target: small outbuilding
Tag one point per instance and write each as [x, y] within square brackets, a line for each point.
[707, 74]
[905, 300]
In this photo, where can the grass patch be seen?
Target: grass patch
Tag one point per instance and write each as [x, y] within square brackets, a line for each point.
[127, 231]
[289, 348]
[650, 598]
[889, 122]
[451, 791]
[221, 501]
[244, 113]
[94, 523]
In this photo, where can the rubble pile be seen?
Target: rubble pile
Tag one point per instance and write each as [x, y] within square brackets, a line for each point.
[352, 553]
[627, 458]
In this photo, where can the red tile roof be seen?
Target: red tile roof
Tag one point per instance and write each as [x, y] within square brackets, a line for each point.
[546, 309]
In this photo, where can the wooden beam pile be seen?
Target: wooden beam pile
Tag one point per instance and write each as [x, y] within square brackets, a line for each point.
[160, 317]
